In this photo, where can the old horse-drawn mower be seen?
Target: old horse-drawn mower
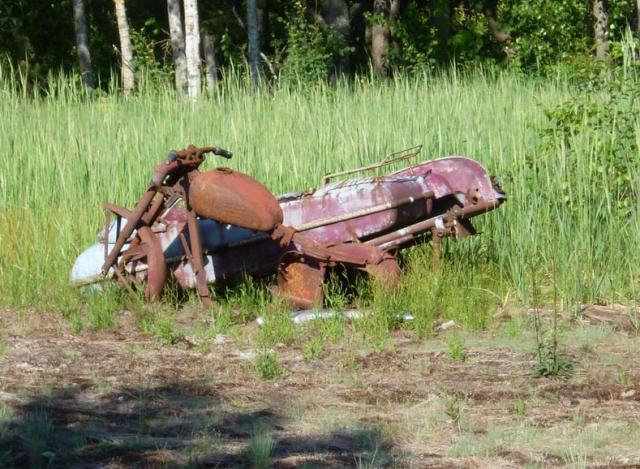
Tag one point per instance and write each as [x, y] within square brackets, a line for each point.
[200, 228]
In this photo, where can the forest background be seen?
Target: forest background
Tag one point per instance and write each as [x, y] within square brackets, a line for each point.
[306, 40]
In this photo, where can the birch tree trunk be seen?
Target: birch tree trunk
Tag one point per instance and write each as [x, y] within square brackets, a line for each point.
[192, 47]
[600, 29]
[176, 33]
[208, 47]
[638, 15]
[82, 43]
[128, 77]
[254, 41]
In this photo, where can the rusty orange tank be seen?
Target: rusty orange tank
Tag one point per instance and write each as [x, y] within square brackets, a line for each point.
[235, 198]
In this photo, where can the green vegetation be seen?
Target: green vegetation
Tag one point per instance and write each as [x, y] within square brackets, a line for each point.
[268, 366]
[303, 40]
[453, 408]
[571, 186]
[37, 437]
[260, 445]
[5, 419]
[519, 406]
[455, 346]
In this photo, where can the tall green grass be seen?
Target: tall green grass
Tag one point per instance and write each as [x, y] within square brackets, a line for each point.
[67, 152]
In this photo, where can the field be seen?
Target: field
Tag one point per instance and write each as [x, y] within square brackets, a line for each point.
[520, 380]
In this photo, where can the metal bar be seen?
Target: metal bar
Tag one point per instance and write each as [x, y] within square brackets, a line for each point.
[395, 243]
[124, 282]
[196, 258]
[107, 228]
[361, 213]
[387, 161]
[132, 222]
[420, 227]
[150, 216]
[329, 221]
[436, 243]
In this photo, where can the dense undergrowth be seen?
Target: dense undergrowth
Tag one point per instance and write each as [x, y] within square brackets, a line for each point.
[567, 157]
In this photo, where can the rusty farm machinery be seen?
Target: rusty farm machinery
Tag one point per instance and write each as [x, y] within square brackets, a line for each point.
[200, 228]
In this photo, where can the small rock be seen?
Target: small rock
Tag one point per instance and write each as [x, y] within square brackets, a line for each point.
[220, 339]
[446, 325]
[628, 394]
[246, 355]
[503, 313]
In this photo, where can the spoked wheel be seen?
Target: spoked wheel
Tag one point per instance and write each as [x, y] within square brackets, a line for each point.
[146, 249]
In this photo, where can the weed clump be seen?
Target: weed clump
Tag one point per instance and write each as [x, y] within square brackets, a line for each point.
[313, 348]
[551, 362]
[453, 408]
[268, 366]
[519, 406]
[260, 446]
[455, 346]
[100, 308]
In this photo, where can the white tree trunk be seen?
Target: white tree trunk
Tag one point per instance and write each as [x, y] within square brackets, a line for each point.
[176, 32]
[254, 41]
[82, 43]
[208, 47]
[128, 77]
[192, 47]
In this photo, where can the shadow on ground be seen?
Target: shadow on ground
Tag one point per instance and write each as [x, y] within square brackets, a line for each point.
[178, 425]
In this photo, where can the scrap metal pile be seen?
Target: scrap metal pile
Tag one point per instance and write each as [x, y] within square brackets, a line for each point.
[200, 228]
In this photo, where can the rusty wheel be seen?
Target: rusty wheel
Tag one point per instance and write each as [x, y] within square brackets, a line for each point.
[146, 249]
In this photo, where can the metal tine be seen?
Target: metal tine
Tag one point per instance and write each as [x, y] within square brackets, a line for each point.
[405, 154]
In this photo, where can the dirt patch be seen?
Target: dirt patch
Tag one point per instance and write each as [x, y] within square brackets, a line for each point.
[122, 399]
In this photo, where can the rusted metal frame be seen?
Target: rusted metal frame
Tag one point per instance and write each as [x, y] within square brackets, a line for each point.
[147, 218]
[396, 243]
[107, 228]
[196, 260]
[362, 212]
[127, 231]
[120, 266]
[161, 172]
[150, 215]
[301, 280]
[324, 222]
[185, 246]
[436, 243]
[329, 221]
[389, 240]
[157, 268]
[118, 210]
[124, 282]
[196, 247]
[392, 158]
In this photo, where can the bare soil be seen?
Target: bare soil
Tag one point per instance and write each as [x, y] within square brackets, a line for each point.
[122, 399]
